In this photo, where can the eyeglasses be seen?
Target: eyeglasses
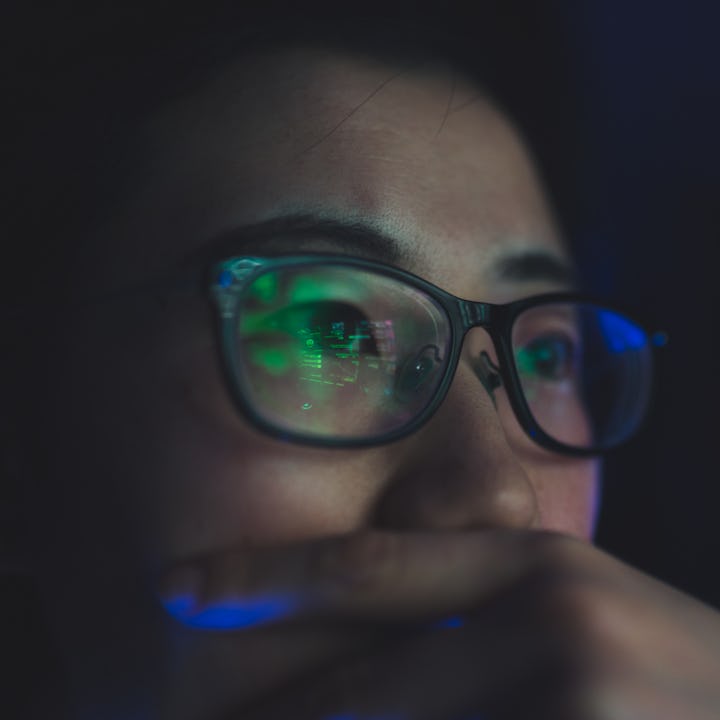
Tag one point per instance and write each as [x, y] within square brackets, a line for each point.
[339, 351]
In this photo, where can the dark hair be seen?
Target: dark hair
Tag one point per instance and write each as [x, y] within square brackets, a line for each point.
[82, 77]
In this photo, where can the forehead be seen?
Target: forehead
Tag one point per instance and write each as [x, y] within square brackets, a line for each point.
[417, 152]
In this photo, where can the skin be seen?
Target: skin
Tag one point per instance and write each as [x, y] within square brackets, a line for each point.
[163, 491]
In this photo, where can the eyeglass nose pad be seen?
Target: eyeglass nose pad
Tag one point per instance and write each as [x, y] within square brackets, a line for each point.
[489, 374]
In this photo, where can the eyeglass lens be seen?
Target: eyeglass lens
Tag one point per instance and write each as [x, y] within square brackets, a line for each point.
[339, 352]
[331, 351]
[585, 372]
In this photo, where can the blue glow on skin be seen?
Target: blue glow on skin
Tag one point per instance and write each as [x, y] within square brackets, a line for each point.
[232, 613]
[451, 622]
[179, 605]
[620, 334]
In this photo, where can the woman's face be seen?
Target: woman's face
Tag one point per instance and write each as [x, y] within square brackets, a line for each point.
[151, 461]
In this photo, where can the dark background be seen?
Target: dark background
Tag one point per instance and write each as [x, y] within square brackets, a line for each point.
[646, 224]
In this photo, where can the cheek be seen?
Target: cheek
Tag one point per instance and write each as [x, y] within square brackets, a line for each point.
[219, 489]
[568, 496]
[152, 460]
[196, 477]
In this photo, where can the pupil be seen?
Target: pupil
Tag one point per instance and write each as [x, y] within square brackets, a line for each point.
[418, 371]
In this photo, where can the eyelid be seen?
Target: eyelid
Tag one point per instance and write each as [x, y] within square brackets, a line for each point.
[532, 328]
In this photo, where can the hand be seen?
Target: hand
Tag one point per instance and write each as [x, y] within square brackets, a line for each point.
[552, 628]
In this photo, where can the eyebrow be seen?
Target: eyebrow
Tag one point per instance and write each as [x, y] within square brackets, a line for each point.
[310, 233]
[304, 233]
[536, 266]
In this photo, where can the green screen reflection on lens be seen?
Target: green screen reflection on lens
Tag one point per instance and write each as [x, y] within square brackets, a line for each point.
[313, 327]
[333, 350]
[265, 288]
[322, 286]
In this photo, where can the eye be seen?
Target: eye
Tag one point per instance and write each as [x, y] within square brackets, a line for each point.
[307, 336]
[550, 357]
[327, 320]
[417, 372]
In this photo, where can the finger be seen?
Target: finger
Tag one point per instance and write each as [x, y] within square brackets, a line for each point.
[424, 677]
[504, 662]
[374, 575]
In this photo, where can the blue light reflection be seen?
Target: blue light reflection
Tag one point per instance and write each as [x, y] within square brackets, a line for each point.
[232, 613]
[619, 333]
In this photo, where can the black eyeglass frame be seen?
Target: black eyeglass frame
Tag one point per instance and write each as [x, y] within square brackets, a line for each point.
[230, 277]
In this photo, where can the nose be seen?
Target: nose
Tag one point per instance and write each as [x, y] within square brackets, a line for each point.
[459, 471]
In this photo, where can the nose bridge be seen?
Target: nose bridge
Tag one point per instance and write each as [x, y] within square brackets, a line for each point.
[460, 470]
[473, 314]
[474, 341]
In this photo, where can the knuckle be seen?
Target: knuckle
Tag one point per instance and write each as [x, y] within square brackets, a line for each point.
[575, 600]
[552, 551]
[577, 611]
[560, 566]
